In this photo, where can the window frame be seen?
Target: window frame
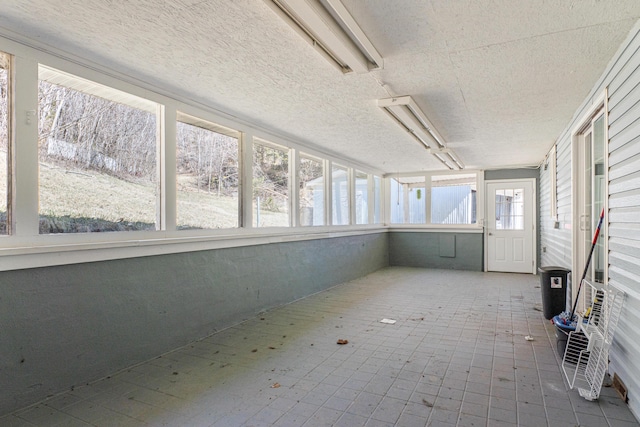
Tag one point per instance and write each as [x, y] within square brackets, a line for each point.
[10, 146]
[291, 175]
[478, 225]
[300, 155]
[188, 119]
[99, 91]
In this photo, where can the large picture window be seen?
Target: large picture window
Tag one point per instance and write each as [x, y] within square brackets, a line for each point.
[207, 174]
[270, 185]
[311, 196]
[97, 154]
[5, 62]
[453, 199]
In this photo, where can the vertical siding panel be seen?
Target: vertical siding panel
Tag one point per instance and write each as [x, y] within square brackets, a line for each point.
[624, 217]
[622, 78]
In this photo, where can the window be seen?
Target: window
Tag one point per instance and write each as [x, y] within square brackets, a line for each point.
[207, 174]
[453, 199]
[5, 61]
[340, 194]
[510, 209]
[97, 153]
[407, 201]
[311, 195]
[362, 198]
[270, 185]
[553, 183]
[377, 219]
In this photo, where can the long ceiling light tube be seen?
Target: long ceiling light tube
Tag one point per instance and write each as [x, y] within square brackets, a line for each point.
[449, 154]
[409, 122]
[331, 30]
[405, 111]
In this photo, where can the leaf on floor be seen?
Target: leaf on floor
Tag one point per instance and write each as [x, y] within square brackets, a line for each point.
[343, 342]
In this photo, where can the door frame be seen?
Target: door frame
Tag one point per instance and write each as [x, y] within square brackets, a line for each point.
[533, 212]
[579, 241]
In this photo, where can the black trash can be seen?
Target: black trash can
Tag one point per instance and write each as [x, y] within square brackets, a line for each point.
[553, 283]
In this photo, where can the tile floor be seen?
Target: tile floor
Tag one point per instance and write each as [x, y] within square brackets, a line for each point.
[456, 356]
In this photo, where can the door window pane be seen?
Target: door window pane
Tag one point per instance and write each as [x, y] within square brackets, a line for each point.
[4, 142]
[97, 154]
[453, 199]
[510, 209]
[270, 185]
[340, 195]
[207, 175]
[311, 194]
[362, 198]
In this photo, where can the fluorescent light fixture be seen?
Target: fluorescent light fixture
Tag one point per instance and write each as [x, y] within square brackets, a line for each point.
[329, 27]
[405, 111]
[448, 155]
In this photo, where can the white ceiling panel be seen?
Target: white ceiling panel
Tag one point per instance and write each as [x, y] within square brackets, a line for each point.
[493, 76]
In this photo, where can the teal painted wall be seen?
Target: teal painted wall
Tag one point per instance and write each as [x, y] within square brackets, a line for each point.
[67, 325]
[433, 250]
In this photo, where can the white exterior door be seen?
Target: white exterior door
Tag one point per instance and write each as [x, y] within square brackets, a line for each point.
[511, 226]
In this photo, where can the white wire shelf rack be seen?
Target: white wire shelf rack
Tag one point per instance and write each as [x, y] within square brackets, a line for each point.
[586, 356]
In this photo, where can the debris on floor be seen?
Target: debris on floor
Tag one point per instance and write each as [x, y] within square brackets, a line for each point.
[528, 338]
[275, 385]
[388, 321]
[343, 342]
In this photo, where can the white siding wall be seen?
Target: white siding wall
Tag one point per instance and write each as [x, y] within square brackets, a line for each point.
[622, 78]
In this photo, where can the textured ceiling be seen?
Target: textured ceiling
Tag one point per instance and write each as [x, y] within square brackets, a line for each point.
[499, 79]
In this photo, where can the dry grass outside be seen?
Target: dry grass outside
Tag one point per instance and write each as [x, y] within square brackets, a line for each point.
[89, 194]
[206, 210]
[80, 193]
[69, 196]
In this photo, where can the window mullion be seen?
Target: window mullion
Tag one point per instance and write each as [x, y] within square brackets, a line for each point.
[294, 187]
[246, 182]
[427, 199]
[24, 203]
[167, 142]
[351, 195]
